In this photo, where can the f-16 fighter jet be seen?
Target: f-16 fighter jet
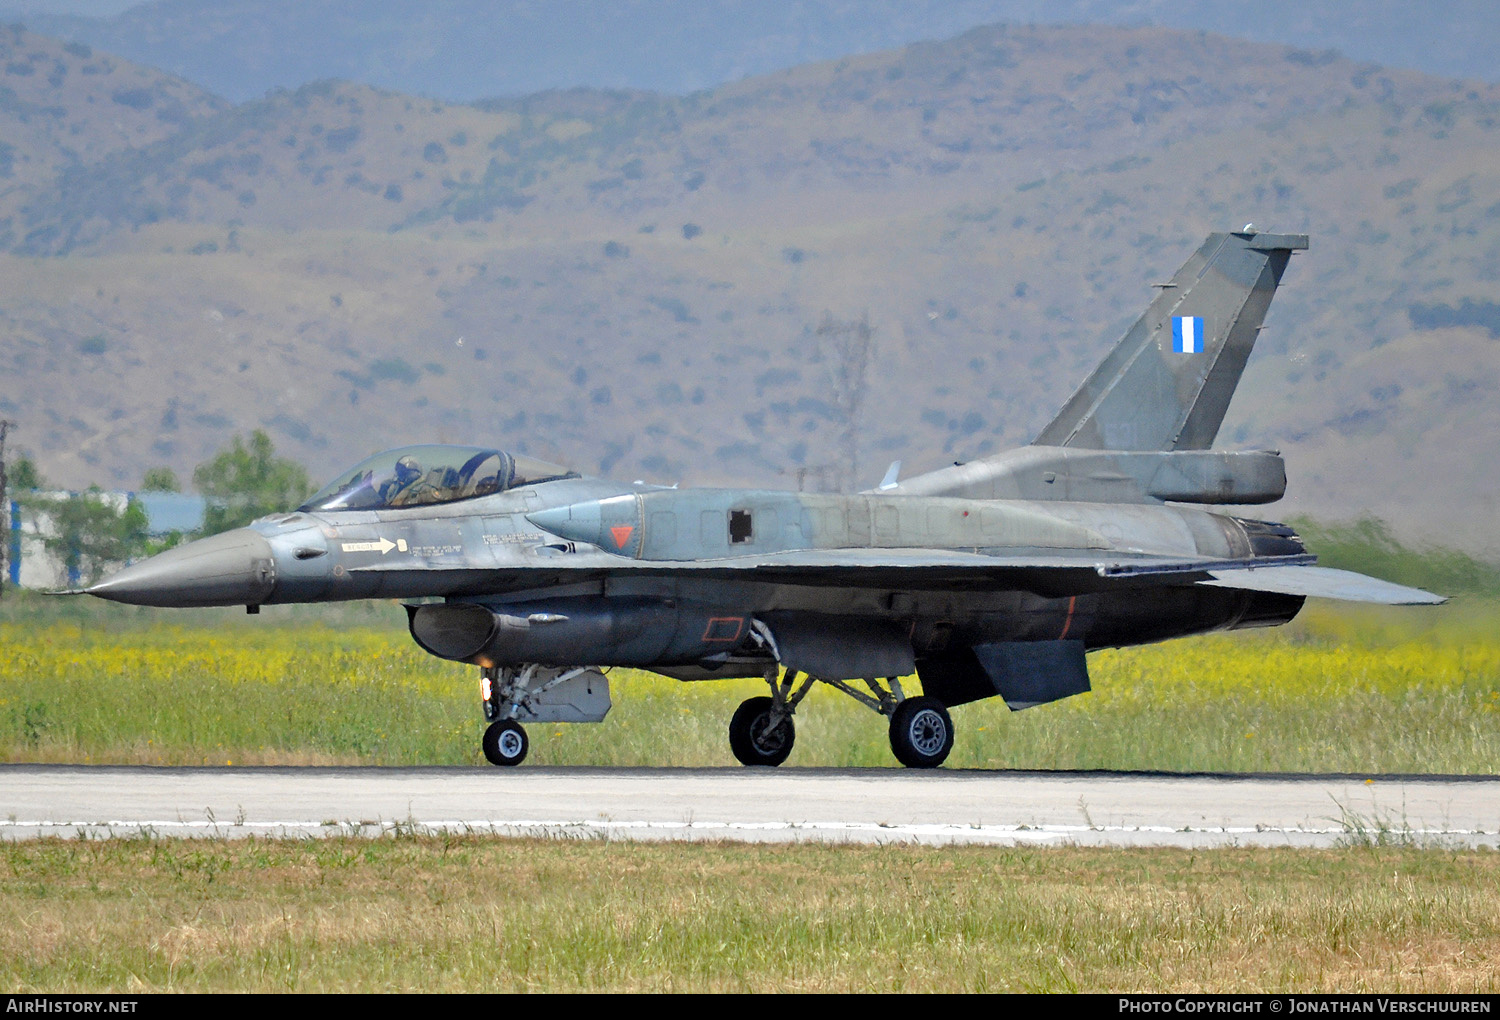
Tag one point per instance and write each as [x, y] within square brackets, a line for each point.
[988, 579]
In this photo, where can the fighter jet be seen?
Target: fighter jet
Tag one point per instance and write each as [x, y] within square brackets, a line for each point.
[992, 578]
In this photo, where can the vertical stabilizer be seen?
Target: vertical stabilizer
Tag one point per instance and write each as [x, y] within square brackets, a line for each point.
[1167, 384]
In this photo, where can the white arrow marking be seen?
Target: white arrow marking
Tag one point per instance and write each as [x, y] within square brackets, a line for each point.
[384, 546]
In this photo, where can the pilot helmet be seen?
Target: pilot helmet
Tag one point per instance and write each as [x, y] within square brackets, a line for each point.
[407, 469]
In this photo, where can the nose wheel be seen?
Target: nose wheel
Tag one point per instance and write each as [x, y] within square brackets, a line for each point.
[505, 743]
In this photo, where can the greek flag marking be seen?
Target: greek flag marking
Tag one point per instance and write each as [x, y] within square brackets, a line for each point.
[1187, 334]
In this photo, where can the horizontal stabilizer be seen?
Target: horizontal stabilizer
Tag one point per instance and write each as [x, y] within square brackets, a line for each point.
[1325, 583]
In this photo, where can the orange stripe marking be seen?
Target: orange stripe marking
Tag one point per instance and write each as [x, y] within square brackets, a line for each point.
[1068, 623]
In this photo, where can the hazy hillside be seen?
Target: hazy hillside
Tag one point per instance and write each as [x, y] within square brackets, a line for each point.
[936, 122]
[634, 283]
[63, 106]
[464, 50]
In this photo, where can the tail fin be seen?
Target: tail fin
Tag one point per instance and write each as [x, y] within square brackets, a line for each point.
[1167, 384]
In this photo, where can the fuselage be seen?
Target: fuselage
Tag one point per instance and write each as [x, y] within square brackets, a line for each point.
[634, 605]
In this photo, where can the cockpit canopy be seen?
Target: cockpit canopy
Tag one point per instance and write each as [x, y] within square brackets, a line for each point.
[425, 475]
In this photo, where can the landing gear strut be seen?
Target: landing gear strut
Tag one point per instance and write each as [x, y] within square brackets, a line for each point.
[921, 731]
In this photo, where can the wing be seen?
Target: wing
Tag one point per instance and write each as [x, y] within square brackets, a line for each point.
[1062, 574]
[1051, 573]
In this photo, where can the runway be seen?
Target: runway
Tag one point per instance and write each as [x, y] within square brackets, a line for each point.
[758, 805]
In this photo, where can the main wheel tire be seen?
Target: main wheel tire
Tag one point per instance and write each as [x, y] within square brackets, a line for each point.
[921, 733]
[748, 739]
[505, 743]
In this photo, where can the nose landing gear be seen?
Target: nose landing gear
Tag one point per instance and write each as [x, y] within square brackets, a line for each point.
[505, 743]
[536, 693]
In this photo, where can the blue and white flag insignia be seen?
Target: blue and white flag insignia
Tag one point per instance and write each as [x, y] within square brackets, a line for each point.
[1187, 334]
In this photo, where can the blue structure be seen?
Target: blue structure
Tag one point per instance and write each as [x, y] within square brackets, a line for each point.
[13, 554]
[31, 565]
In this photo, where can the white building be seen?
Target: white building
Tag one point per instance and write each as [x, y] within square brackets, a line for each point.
[31, 565]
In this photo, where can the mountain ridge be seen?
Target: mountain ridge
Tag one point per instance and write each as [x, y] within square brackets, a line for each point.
[635, 284]
[447, 48]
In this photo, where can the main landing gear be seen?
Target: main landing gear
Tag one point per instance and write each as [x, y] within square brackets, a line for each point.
[760, 734]
[761, 731]
[921, 733]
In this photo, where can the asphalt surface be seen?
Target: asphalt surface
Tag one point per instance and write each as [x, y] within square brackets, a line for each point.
[761, 805]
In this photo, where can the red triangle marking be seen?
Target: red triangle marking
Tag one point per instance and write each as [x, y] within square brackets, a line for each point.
[622, 533]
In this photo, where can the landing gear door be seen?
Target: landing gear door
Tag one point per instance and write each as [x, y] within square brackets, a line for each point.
[1024, 673]
[1029, 673]
[581, 699]
[840, 648]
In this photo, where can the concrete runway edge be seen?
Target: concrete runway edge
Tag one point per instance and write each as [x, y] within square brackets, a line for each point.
[754, 805]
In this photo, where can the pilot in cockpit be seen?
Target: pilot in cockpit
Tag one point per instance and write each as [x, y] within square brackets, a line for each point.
[401, 489]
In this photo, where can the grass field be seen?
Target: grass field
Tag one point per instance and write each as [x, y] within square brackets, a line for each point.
[1372, 691]
[487, 914]
[1346, 691]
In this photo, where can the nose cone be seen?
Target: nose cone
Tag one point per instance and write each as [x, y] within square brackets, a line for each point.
[232, 569]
